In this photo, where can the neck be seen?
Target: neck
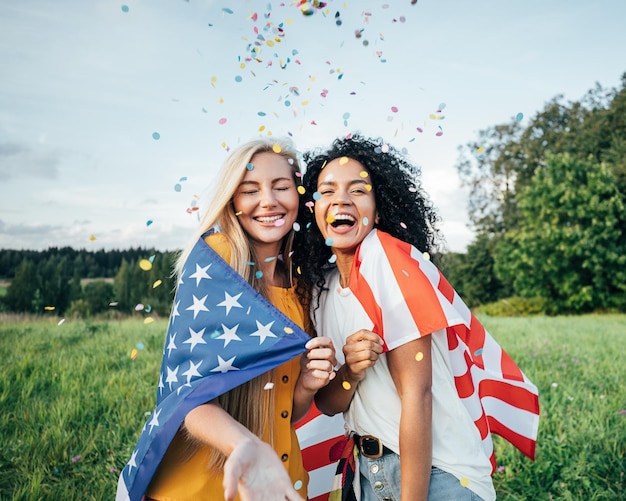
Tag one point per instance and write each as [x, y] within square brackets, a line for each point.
[344, 265]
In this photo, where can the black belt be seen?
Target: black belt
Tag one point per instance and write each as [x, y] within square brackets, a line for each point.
[370, 446]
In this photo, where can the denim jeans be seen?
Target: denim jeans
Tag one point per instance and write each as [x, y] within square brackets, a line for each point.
[380, 481]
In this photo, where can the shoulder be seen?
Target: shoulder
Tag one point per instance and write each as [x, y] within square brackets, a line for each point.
[220, 243]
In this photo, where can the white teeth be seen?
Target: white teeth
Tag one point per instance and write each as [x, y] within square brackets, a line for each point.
[268, 219]
[344, 217]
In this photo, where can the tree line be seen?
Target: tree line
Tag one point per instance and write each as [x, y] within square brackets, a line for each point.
[547, 203]
[84, 283]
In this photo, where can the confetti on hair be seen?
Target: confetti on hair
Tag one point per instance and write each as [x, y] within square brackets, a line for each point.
[301, 190]
[332, 259]
[277, 148]
[258, 274]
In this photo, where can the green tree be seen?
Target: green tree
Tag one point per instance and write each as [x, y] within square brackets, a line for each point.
[97, 296]
[569, 245]
[21, 291]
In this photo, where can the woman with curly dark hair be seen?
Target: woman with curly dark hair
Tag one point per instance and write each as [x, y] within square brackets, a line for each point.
[419, 374]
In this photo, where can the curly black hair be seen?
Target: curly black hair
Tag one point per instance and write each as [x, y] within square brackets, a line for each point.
[405, 210]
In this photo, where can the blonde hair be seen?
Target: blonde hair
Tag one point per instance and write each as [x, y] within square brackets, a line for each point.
[250, 404]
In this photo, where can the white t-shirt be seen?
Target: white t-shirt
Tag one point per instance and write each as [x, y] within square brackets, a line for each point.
[375, 408]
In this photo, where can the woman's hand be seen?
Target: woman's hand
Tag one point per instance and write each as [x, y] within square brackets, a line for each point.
[255, 472]
[318, 363]
[361, 352]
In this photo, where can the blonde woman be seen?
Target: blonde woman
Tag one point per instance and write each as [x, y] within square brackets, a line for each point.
[240, 444]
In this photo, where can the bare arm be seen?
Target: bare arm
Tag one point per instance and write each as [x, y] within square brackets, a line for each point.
[410, 366]
[361, 351]
[253, 469]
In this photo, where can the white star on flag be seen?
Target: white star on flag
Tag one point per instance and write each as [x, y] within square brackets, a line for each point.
[194, 338]
[172, 376]
[171, 346]
[225, 366]
[192, 371]
[175, 313]
[263, 331]
[198, 306]
[230, 301]
[155, 420]
[229, 335]
[200, 273]
[133, 460]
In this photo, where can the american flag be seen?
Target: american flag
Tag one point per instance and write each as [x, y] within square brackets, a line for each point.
[221, 334]
[403, 292]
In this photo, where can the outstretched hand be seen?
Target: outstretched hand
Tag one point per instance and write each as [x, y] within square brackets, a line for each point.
[255, 472]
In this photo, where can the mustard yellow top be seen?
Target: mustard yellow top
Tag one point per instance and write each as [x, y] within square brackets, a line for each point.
[179, 480]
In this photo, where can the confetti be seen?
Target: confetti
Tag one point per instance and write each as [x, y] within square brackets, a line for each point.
[268, 386]
[61, 322]
[419, 356]
[464, 482]
[149, 222]
[332, 259]
[297, 485]
[49, 308]
[222, 121]
[346, 385]
[125, 8]
[145, 264]
[365, 221]
[156, 284]
[76, 458]
[92, 237]
[258, 274]
[519, 117]
[139, 307]
[363, 174]
[134, 354]
[288, 330]
[156, 136]
[329, 242]
[148, 320]
[343, 160]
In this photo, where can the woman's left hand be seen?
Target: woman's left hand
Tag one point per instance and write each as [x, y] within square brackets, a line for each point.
[318, 363]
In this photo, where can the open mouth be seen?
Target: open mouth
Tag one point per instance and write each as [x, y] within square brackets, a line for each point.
[343, 220]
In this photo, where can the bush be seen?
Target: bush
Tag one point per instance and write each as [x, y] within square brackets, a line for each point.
[514, 307]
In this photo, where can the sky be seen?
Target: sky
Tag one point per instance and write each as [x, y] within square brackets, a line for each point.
[116, 115]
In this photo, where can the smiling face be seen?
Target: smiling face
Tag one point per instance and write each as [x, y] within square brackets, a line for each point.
[346, 211]
[266, 201]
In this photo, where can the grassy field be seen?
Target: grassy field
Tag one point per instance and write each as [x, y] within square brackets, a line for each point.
[72, 402]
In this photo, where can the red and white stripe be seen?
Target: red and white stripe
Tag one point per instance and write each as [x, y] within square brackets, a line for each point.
[317, 433]
[406, 296]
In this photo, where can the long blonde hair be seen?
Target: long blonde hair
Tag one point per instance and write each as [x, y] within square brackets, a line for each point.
[249, 403]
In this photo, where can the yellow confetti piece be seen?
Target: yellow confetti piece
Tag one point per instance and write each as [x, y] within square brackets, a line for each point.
[277, 148]
[92, 238]
[480, 150]
[156, 284]
[346, 385]
[363, 174]
[368, 187]
[145, 265]
[242, 65]
[419, 356]
[134, 353]
[330, 218]
[262, 128]
[270, 43]
[49, 308]
[464, 482]
[305, 103]
[301, 190]
[343, 160]
[288, 330]
[148, 320]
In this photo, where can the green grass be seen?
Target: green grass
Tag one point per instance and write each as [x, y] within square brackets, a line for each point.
[72, 403]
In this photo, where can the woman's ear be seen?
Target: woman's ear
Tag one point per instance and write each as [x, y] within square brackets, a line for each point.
[377, 218]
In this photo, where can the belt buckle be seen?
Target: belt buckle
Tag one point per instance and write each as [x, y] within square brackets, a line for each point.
[370, 446]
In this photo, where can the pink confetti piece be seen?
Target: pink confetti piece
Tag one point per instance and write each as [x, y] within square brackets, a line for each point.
[222, 121]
